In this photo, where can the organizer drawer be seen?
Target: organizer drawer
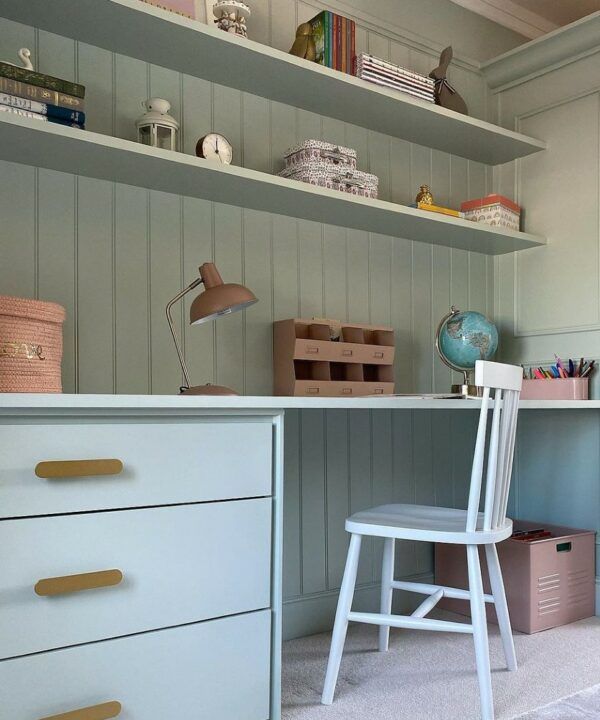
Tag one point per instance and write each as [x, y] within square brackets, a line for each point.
[178, 564]
[306, 349]
[151, 463]
[216, 670]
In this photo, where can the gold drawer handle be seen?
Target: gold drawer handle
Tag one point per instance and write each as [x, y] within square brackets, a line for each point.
[77, 583]
[312, 349]
[378, 354]
[95, 712]
[347, 353]
[77, 468]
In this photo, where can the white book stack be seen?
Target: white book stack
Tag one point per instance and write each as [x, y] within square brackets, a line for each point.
[22, 113]
[381, 72]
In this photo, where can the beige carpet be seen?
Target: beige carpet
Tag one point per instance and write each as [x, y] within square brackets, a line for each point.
[431, 676]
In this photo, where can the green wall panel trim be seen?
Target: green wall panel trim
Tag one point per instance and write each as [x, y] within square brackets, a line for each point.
[114, 255]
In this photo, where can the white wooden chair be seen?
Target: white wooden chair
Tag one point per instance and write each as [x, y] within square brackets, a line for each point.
[446, 525]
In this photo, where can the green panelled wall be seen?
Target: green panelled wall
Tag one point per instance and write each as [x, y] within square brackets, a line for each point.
[113, 255]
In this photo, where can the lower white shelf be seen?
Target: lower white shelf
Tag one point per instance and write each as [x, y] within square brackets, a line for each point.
[81, 152]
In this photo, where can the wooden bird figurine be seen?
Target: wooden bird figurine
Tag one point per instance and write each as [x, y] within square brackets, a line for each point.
[445, 94]
[304, 44]
[24, 57]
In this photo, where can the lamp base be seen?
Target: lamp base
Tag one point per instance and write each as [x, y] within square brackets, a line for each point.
[207, 389]
[467, 390]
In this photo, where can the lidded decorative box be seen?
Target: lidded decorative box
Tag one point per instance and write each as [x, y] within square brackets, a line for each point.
[311, 151]
[493, 210]
[31, 345]
[334, 177]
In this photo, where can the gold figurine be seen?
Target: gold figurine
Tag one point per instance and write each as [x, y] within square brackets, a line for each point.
[304, 44]
[424, 196]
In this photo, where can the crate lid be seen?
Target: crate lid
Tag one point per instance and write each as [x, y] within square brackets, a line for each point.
[493, 199]
[320, 145]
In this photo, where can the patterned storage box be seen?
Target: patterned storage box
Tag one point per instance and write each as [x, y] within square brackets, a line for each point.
[493, 210]
[334, 177]
[319, 151]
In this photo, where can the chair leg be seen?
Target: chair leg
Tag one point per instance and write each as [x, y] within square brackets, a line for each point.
[387, 577]
[499, 594]
[480, 634]
[341, 620]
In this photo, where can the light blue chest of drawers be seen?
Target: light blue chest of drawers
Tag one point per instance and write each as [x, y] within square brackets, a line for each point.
[192, 523]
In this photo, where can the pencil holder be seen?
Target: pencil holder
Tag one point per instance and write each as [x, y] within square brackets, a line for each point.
[557, 389]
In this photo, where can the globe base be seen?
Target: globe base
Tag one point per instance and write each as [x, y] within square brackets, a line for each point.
[467, 390]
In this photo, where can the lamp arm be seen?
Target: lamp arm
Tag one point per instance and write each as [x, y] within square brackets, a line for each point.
[170, 304]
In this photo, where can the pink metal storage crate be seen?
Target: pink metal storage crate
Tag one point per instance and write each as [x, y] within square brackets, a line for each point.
[549, 582]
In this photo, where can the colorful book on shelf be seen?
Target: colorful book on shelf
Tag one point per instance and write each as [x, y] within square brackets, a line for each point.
[20, 112]
[12, 72]
[334, 38]
[40, 94]
[320, 33]
[52, 111]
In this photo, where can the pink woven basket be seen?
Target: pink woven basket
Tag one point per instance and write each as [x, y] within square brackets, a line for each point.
[31, 345]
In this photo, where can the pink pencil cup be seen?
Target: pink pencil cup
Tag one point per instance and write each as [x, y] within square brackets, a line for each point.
[557, 389]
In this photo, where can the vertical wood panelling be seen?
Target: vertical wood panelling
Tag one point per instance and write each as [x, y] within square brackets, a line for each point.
[132, 362]
[313, 502]
[57, 258]
[95, 301]
[338, 497]
[114, 255]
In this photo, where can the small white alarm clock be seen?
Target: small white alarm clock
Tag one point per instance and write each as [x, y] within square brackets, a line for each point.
[215, 147]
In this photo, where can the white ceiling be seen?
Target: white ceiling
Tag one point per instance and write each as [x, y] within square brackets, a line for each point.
[532, 18]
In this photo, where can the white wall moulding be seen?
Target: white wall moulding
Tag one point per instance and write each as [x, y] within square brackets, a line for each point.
[511, 15]
[142, 31]
[69, 150]
[544, 54]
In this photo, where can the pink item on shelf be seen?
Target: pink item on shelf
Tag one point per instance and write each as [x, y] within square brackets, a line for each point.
[557, 389]
[187, 8]
[493, 210]
[549, 581]
[30, 345]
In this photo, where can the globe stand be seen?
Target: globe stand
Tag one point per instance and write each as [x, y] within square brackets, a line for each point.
[467, 391]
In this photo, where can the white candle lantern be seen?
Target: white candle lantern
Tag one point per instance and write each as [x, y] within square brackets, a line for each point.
[156, 127]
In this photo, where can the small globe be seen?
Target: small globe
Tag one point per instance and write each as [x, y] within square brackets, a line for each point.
[465, 337]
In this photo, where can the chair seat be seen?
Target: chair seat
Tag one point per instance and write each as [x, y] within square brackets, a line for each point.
[424, 522]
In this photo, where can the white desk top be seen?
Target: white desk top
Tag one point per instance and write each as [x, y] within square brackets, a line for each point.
[31, 401]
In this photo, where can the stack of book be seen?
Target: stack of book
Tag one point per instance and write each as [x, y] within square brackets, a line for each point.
[381, 72]
[335, 40]
[41, 97]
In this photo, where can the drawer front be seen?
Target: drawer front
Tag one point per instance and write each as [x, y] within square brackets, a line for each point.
[217, 670]
[74, 579]
[343, 352]
[162, 463]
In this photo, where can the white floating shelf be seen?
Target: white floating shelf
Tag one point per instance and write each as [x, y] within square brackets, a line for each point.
[80, 152]
[135, 29]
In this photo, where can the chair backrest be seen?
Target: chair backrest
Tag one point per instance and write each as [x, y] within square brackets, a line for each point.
[505, 381]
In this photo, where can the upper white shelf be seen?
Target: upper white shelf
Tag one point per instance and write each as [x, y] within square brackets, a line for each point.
[135, 29]
[81, 152]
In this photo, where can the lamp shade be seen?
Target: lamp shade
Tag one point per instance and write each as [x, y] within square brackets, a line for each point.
[218, 298]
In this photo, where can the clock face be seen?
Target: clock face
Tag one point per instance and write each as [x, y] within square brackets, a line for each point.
[215, 147]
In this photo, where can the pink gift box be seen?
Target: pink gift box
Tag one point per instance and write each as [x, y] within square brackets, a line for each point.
[557, 389]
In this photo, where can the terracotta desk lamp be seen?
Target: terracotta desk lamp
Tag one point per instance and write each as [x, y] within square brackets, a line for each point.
[217, 299]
